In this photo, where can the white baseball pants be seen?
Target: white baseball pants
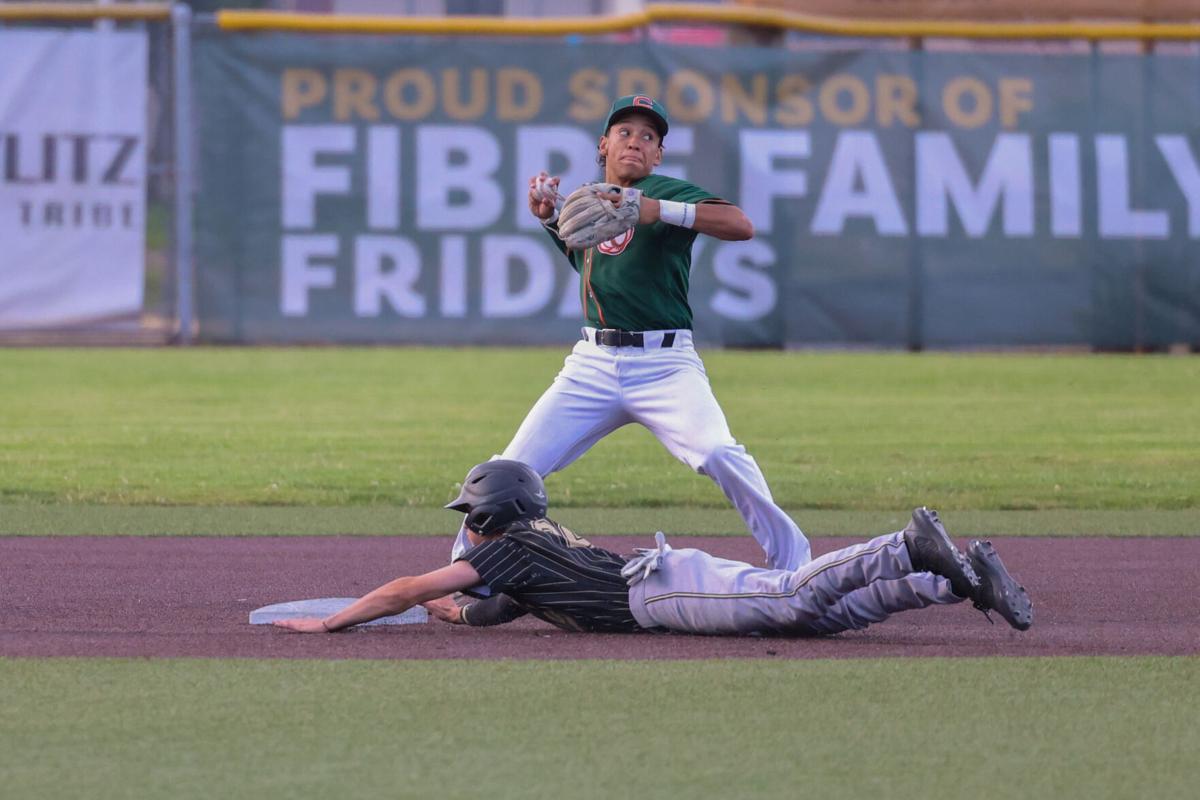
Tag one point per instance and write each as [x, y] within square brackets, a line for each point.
[665, 389]
[694, 592]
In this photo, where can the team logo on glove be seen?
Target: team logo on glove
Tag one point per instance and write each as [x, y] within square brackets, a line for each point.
[616, 245]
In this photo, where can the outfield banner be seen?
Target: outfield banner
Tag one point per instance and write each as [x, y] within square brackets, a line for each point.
[374, 189]
[72, 176]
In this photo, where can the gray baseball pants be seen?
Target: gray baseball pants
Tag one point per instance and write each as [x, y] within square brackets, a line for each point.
[848, 589]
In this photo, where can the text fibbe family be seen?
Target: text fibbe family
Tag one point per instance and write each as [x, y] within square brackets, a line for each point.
[373, 164]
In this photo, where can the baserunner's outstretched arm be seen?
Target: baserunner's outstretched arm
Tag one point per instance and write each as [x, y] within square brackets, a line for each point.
[393, 597]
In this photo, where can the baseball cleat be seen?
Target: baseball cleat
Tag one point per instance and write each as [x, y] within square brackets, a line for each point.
[930, 550]
[998, 591]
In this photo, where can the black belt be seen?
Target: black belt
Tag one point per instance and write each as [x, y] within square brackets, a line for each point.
[611, 337]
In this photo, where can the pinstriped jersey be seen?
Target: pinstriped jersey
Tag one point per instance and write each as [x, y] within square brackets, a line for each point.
[557, 576]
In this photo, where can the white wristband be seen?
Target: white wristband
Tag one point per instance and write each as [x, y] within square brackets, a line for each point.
[681, 214]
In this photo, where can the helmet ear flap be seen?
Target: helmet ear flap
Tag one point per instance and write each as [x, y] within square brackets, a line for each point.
[478, 521]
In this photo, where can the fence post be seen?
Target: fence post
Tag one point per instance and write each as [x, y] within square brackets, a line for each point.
[914, 333]
[181, 20]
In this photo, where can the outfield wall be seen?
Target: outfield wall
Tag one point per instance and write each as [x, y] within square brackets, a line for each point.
[359, 188]
[357, 179]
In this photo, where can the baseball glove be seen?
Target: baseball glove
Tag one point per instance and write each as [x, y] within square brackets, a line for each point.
[597, 212]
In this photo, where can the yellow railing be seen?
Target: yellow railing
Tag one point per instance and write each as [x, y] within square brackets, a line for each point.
[83, 12]
[653, 12]
[684, 12]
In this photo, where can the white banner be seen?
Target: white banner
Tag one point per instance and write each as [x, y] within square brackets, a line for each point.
[72, 176]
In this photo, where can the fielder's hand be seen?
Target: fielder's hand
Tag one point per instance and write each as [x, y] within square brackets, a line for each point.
[544, 198]
[597, 212]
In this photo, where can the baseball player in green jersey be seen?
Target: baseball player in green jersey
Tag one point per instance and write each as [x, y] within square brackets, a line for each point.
[635, 362]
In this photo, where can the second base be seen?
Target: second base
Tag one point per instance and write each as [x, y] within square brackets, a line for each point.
[322, 607]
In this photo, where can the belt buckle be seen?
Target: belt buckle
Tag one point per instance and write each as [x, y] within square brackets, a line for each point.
[614, 337]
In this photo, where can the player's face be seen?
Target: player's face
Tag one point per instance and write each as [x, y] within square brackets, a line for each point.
[632, 149]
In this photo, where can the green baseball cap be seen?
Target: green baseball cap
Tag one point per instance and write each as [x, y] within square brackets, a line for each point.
[624, 106]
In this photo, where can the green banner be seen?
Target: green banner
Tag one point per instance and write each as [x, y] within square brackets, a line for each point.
[374, 189]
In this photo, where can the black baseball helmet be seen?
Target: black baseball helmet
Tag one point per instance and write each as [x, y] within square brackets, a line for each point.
[497, 493]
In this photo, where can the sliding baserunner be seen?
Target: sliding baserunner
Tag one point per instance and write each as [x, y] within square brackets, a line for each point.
[533, 565]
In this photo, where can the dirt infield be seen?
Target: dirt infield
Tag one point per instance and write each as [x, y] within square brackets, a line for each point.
[177, 597]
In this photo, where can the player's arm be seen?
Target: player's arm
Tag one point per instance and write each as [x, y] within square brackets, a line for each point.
[715, 218]
[495, 610]
[393, 597]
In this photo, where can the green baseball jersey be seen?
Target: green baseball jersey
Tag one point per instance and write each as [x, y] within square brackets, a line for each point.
[639, 280]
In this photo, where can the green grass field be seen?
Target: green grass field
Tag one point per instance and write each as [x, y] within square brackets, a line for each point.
[398, 427]
[998, 728]
[372, 441]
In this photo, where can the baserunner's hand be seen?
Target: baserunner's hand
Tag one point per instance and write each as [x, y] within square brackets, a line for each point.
[302, 625]
[445, 609]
